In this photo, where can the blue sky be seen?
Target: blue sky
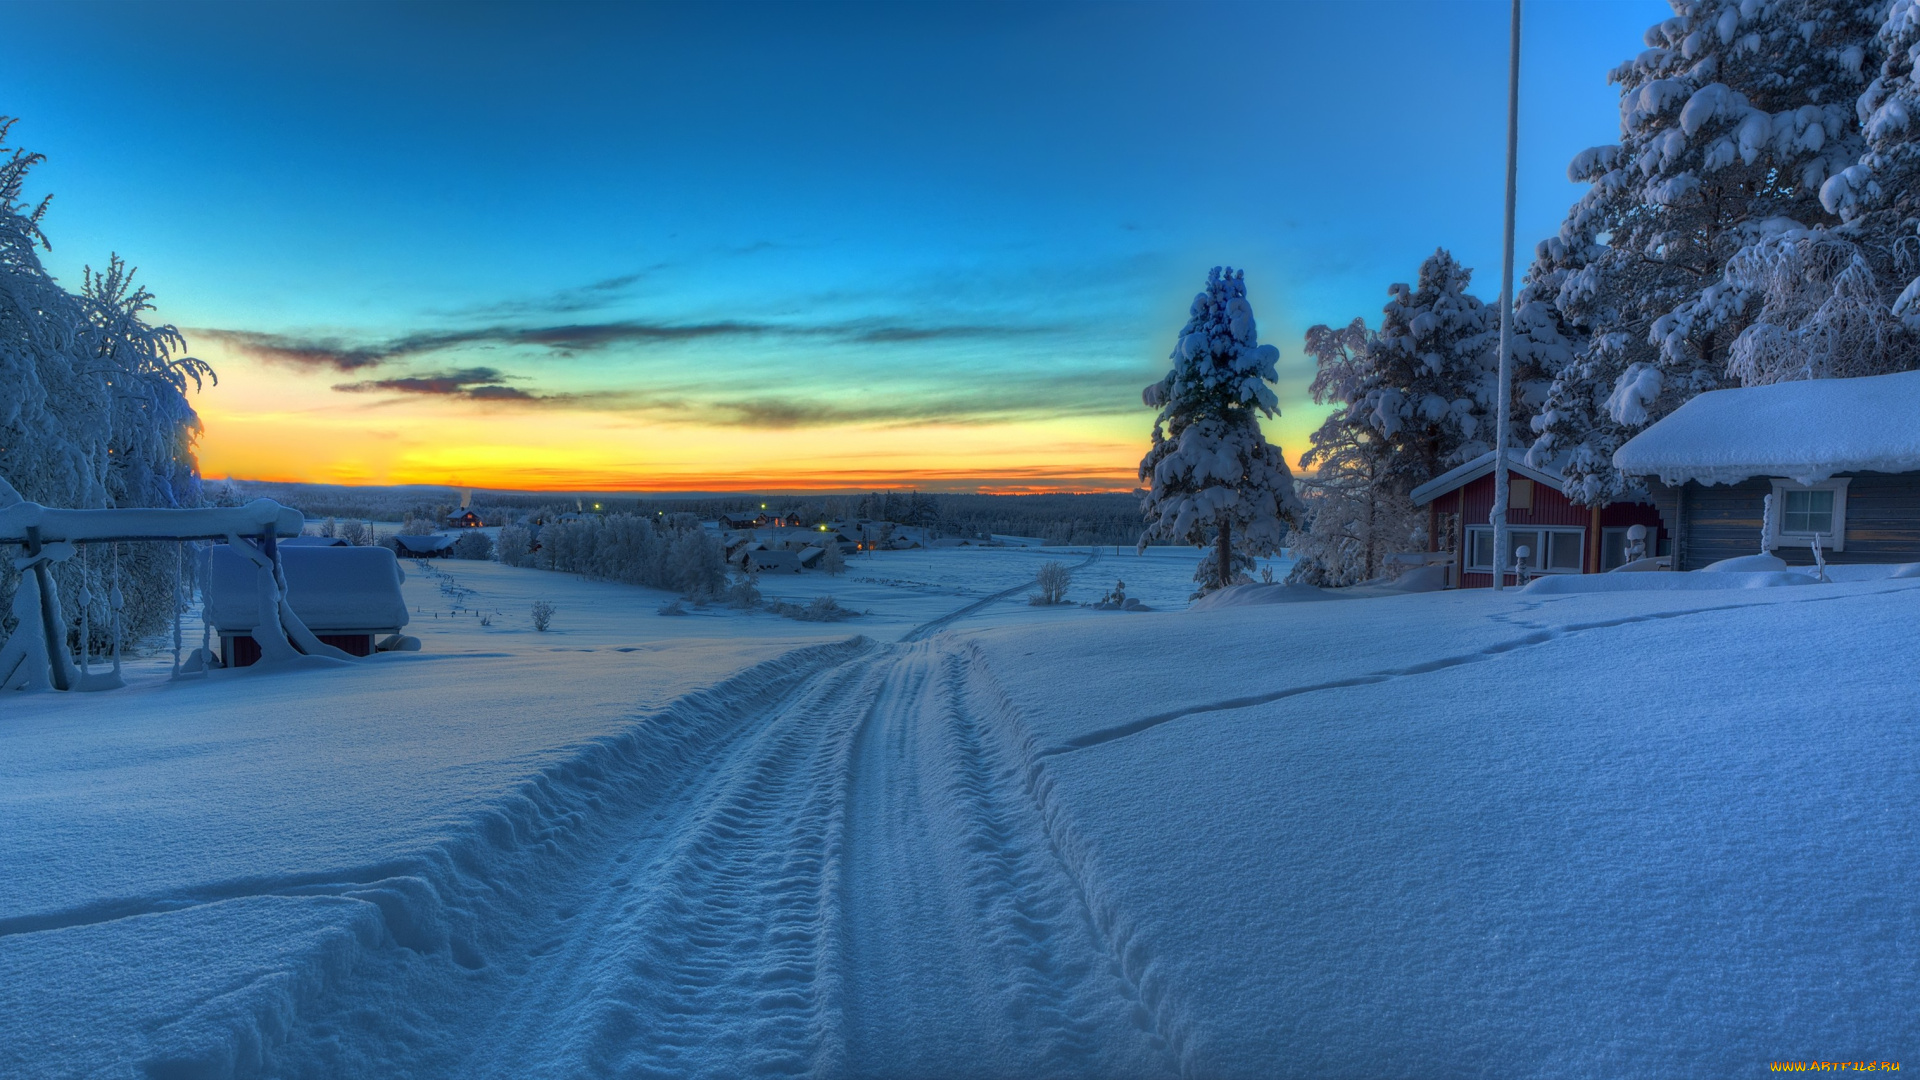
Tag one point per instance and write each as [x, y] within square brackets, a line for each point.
[748, 246]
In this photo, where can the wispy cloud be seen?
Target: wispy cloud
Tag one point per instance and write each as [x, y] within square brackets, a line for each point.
[328, 351]
[300, 352]
[589, 297]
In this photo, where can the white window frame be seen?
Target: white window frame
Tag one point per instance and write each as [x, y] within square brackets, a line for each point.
[1533, 568]
[1777, 534]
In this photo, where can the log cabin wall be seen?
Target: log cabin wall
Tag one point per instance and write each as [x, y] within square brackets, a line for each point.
[1721, 521]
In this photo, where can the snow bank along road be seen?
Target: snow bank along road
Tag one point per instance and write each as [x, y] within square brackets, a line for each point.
[1436, 835]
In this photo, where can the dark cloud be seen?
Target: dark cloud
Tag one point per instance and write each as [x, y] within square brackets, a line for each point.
[311, 353]
[477, 384]
[324, 352]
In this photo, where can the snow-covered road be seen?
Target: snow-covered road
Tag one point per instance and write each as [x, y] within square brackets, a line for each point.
[1449, 834]
[849, 880]
[842, 873]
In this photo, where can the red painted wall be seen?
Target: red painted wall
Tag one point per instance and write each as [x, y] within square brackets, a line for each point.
[1550, 507]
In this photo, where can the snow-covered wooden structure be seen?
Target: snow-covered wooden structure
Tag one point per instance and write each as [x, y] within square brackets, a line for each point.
[770, 561]
[36, 656]
[430, 546]
[1561, 536]
[349, 597]
[1832, 459]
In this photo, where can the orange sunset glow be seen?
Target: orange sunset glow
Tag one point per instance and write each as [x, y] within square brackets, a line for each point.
[264, 422]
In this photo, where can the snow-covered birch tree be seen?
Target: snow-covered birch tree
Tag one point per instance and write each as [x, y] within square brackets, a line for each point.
[1212, 478]
[1349, 518]
[93, 400]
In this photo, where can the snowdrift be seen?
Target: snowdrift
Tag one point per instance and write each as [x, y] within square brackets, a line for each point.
[1575, 584]
[1234, 596]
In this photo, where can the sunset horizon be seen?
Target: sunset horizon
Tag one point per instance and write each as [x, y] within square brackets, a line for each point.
[889, 248]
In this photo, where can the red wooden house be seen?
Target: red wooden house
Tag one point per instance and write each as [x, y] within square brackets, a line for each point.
[1560, 536]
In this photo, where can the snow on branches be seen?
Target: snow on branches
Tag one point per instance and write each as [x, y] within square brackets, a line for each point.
[93, 399]
[1212, 477]
[1732, 120]
[1411, 401]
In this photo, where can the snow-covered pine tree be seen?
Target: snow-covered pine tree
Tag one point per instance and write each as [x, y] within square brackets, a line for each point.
[1212, 477]
[1731, 120]
[1429, 380]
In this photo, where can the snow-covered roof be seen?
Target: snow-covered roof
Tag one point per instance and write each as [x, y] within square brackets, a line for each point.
[330, 588]
[1804, 431]
[431, 542]
[1462, 475]
[774, 560]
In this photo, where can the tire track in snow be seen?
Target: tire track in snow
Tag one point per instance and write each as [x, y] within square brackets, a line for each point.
[495, 899]
[1130, 959]
[687, 947]
[858, 886]
[1538, 637]
[830, 865]
[966, 949]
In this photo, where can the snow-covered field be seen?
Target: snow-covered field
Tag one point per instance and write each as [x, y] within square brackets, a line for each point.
[1647, 833]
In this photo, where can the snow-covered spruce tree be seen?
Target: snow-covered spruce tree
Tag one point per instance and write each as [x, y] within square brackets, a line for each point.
[1428, 383]
[93, 408]
[1212, 477]
[1349, 520]
[1731, 121]
[1841, 301]
[1410, 402]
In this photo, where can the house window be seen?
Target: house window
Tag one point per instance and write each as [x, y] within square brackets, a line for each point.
[1480, 551]
[1549, 550]
[1519, 493]
[1803, 511]
[1807, 512]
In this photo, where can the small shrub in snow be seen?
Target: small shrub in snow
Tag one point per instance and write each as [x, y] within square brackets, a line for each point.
[1053, 580]
[542, 615]
[744, 592]
[821, 609]
[674, 608]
